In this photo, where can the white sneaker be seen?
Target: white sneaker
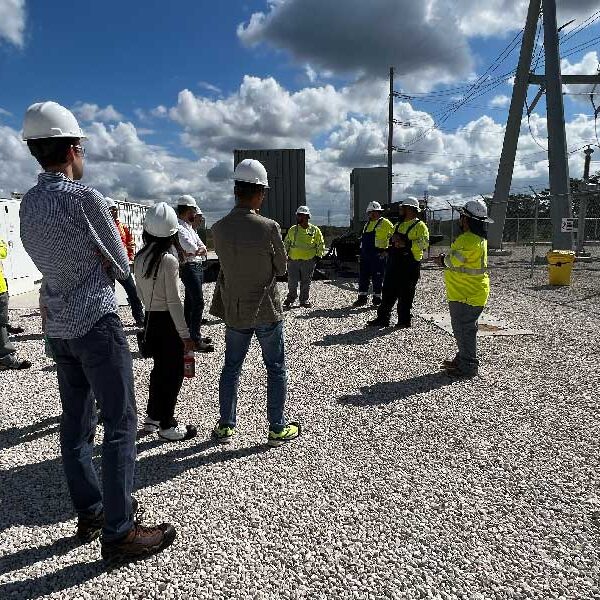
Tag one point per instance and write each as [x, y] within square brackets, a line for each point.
[150, 425]
[177, 433]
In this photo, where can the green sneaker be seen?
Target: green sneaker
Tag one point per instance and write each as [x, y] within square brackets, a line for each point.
[290, 432]
[224, 434]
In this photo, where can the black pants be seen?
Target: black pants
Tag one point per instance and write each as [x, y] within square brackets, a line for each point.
[193, 306]
[399, 285]
[167, 374]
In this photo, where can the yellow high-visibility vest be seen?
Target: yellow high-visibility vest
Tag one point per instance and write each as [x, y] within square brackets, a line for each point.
[304, 244]
[419, 236]
[466, 276]
[3, 255]
[383, 232]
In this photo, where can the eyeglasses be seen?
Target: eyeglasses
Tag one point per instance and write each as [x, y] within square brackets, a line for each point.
[80, 150]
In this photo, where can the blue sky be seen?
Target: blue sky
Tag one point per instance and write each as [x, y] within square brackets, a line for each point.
[187, 81]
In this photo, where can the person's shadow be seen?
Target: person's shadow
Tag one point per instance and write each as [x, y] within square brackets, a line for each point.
[13, 436]
[354, 337]
[25, 491]
[391, 391]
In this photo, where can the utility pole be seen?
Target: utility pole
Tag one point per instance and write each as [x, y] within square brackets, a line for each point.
[583, 201]
[390, 136]
[513, 128]
[551, 82]
[560, 187]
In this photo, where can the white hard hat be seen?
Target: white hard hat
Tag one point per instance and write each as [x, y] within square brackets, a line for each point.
[303, 210]
[476, 209]
[110, 202]
[161, 221]
[412, 202]
[50, 120]
[251, 171]
[187, 200]
[374, 206]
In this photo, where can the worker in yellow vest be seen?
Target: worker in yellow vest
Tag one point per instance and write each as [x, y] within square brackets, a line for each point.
[8, 353]
[304, 245]
[467, 286]
[373, 245]
[403, 270]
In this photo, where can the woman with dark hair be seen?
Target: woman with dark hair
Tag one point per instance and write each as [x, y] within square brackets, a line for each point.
[467, 286]
[167, 336]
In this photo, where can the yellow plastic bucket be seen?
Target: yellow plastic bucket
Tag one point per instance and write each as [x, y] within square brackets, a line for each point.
[560, 266]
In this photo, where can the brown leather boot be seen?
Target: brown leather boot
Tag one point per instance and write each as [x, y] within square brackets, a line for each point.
[139, 543]
[90, 527]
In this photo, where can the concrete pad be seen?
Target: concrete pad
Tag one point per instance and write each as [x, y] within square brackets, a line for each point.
[488, 325]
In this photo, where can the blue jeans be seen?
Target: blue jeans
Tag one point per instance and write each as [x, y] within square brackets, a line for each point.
[99, 363]
[137, 308]
[237, 342]
[192, 277]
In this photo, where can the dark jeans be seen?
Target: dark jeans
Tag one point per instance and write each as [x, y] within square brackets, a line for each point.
[99, 363]
[372, 267]
[193, 305]
[8, 353]
[464, 319]
[237, 343]
[166, 376]
[137, 308]
[399, 285]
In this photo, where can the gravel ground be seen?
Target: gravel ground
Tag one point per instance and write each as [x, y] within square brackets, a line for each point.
[404, 485]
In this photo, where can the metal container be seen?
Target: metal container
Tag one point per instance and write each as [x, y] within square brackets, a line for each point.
[286, 170]
[366, 185]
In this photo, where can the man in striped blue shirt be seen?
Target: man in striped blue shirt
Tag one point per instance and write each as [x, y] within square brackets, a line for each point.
[67, 230]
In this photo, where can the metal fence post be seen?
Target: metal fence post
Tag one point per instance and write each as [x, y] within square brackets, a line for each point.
[535, 231]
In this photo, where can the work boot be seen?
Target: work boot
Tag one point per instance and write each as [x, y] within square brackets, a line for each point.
[306, 304]
[360, 301]
[402, 325]
[450, 363]
[376, 301]
[287, 303]
[89, 528]
[202, 346]
[456, 373]
[140, 542]
[377, 322]
[150, 425]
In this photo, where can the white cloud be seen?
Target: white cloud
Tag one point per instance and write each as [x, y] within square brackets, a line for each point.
[588, 65]
[92, 112]
[12, 22]
[209, 87]
[500, 101]
[5, 113]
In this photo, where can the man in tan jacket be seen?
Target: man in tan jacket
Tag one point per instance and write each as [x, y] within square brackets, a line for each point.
[252, 255]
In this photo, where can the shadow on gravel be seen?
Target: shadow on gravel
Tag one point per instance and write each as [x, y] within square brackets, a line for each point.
[159, 468]
[391, 391]
[27, 337]
[9, 438]
[29, 556]
[49, 369]
[57, 581]
[32, 485]
[354, 337]
[333, 313]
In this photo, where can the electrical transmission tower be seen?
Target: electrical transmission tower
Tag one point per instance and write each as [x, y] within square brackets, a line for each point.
[551, 83]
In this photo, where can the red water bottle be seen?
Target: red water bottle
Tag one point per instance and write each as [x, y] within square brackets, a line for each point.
[189, 365]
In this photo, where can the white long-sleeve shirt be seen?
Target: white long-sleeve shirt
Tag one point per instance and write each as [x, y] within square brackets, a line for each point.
[190, 242]
[165, 296]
